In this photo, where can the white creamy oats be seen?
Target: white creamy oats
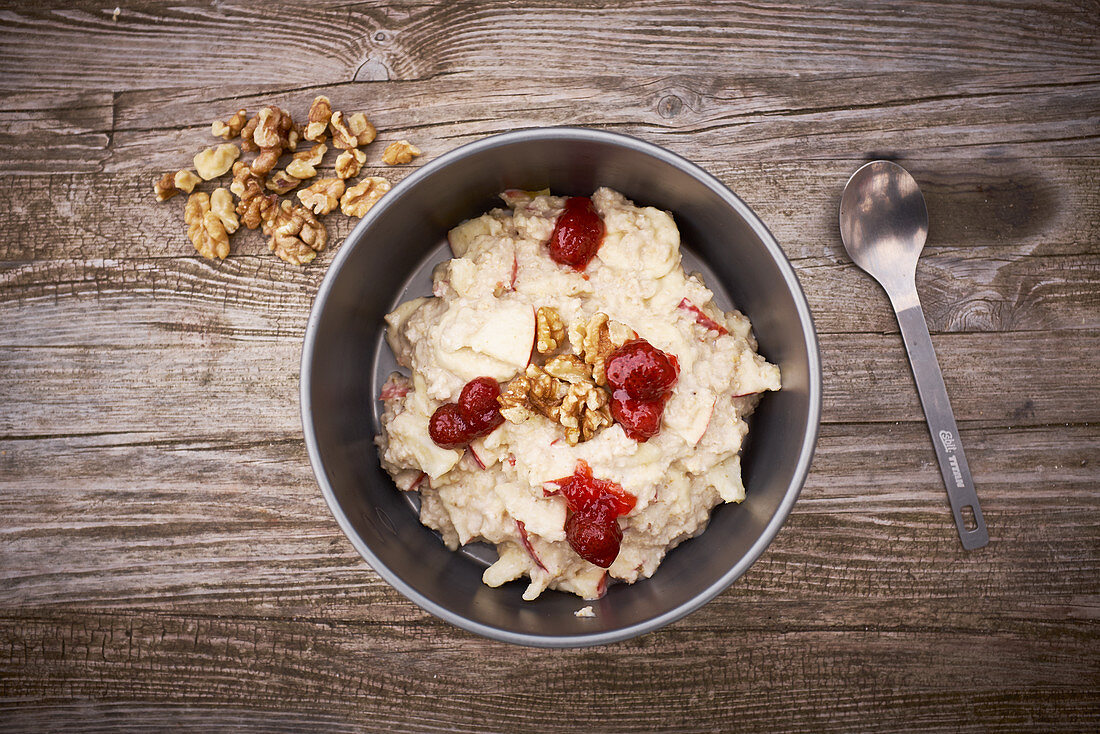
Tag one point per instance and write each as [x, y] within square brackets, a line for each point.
[481, 322]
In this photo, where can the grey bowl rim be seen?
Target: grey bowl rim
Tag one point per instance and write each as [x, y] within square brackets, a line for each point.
[809, 334]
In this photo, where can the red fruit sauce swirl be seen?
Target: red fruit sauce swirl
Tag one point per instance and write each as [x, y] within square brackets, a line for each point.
[476, 414]
[577, 234]
[641, 377]
[594, 504]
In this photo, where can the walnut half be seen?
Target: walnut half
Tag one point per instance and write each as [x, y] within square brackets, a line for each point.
[578, 405]
[296, 235]
[358, 199]
[323, 196]
[596, 339]
[549, 330]
[204, 228]
[401, 151]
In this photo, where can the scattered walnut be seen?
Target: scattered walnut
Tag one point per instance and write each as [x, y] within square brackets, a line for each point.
[401, 151]
[171, 184]
[342, 136]
[350, 163]
[358, 199]
[186, 181]
[305, 162]
[255, 207]
[296, 235]
[221, 203]
[362, 129]
[165, 187]
[549, 330]
[323, 196]
[231, 128]
[274, 132]
[266, 160]
[247, 144]
[282, 182]
[204, 228]
[596, 340]
[319, 113]
[214, 162]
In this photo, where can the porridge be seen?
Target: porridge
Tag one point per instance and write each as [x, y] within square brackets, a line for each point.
[575, 398]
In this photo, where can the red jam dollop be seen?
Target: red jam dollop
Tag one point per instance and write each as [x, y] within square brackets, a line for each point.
[476, 414]
[577, 234]
[641, 377]
[594, 505]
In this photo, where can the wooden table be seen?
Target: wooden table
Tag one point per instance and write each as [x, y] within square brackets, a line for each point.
[166, 558]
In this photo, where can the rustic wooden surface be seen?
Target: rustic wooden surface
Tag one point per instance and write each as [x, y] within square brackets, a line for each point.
[166, 559]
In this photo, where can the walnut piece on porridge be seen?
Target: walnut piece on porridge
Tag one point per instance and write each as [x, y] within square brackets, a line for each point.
[323, 196]
[350, 162]
[221, 203]
[231, 128]
[595, 340]
[549, 330]
[204, 228]
[401, 151]
[296, 235]
[358, 199]
[566, 396]
[319, 113]
[214, 162]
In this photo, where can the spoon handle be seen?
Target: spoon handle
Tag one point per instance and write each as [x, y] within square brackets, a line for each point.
[941, 424]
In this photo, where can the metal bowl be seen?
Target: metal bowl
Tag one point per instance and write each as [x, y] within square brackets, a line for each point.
[344, 358]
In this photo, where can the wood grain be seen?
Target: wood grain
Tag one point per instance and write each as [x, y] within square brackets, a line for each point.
[401, 41]
[166, 557]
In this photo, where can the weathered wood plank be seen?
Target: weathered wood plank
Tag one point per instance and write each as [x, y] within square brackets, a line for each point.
[119, 520]
[57, 131]
[388, 678]
[995, 115]
[149, 41]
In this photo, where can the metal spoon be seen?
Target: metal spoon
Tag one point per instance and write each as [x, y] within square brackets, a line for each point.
[884, 223]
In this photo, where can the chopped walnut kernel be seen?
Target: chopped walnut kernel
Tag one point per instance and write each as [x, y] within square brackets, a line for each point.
[214, 162]
[305, 162]
[221, 203]
[323, 196]
[358, 199]
[186, 181]
[266, 160]
[398, 152]
[296, 235]
[578, 405]
[204, 229]
[281, 182]
[568, 367]
[342, 136]
[350, 163]
[362, 129]
[596, 340]
[231, 128]
[165, 187]
[549, 330]
[255, 207]
[319, 113]
[274, 132]
[584, 410]
[247, 144]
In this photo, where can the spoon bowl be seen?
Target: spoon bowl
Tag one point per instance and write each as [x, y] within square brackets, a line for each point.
[884, 222]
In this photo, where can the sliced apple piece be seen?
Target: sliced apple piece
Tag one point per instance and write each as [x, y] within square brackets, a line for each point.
[726, 478]
[410, 429]
[688, 414]
[701, 318]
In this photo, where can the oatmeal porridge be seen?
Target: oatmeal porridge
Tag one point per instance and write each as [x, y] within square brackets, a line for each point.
[574, 397]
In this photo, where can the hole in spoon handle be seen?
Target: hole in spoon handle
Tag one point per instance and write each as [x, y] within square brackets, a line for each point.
[941, 424]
